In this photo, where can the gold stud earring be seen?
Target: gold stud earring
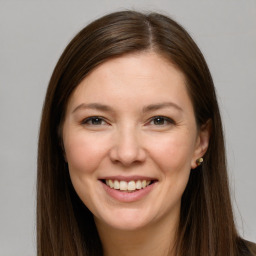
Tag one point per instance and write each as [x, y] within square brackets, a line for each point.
[199, 161]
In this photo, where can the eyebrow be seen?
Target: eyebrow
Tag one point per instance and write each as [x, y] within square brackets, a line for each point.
[153, 107]
[96, 106]
[105, 108]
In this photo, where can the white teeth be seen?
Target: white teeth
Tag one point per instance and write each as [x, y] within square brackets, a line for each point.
[127, 186]
[116, 184]
[138, 184]
[131, 185]
[123, 185]
[111, 183]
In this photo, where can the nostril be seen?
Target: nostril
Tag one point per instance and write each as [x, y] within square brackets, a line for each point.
[127, 153]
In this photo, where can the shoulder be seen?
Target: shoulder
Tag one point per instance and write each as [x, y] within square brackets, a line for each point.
[251, 247]
[246, 248]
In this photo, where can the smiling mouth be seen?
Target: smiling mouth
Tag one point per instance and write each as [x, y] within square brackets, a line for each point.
[128, 186]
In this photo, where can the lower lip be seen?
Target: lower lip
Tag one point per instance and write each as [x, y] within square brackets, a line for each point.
[128, 197]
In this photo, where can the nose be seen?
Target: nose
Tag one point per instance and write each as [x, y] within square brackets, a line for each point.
[127, 148]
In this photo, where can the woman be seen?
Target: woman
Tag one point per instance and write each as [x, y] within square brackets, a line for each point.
[131, 157]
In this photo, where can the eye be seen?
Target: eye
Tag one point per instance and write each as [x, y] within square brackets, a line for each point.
[161, 121]
[94, 120]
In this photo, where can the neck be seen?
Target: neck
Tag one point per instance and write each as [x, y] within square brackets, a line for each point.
[155, 239]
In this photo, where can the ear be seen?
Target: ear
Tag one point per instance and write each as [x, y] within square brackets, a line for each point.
[202, 142]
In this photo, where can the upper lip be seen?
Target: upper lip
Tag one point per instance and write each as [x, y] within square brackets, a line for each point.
[127, 178]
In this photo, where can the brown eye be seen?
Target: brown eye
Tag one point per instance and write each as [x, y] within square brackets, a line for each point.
[95, 120]
[161, 120]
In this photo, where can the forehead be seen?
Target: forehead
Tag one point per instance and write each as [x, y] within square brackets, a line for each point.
[133, 78]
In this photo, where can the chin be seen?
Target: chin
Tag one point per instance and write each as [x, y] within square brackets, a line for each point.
[125, 220]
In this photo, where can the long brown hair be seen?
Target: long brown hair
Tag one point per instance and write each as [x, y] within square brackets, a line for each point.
[64, 225]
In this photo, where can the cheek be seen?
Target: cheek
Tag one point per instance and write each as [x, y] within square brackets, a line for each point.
[173, 153]
[84, 153]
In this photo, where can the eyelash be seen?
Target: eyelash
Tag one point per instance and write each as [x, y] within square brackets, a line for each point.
[166, 120]
[163, 121]
[89, 120]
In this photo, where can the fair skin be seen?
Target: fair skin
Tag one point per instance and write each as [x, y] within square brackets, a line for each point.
[130, 122]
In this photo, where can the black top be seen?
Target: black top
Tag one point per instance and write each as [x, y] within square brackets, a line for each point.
[249, 249]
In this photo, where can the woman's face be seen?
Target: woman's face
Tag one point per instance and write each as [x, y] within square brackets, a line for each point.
[131, 139]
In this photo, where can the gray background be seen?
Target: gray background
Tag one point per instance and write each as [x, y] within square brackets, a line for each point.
[33, 35]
